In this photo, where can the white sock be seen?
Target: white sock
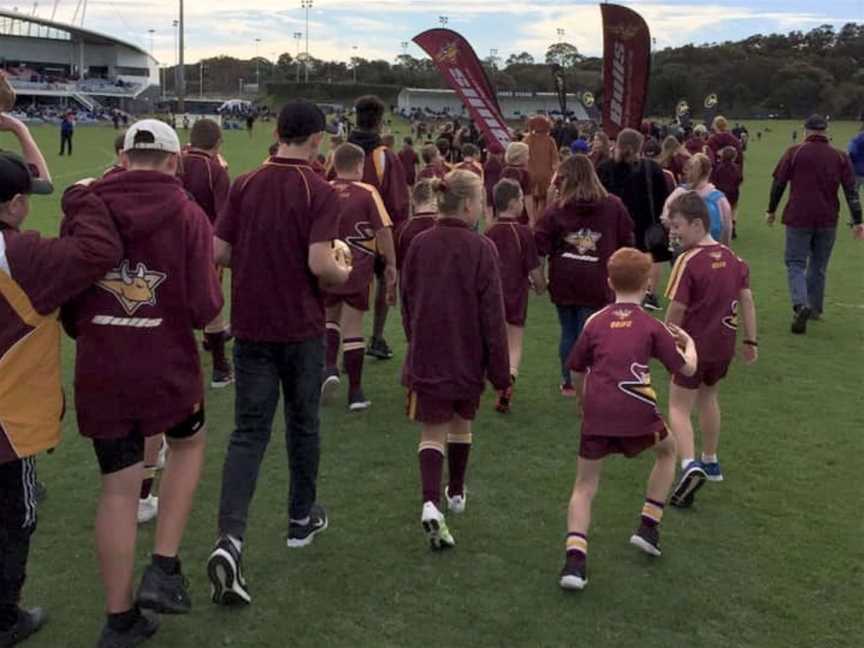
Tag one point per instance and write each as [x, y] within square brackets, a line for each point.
[238, 544]
[686, 462]
[710, 459]
[302, 522]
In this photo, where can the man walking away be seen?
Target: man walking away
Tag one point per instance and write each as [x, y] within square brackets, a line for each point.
[67, 130]
[856, 153]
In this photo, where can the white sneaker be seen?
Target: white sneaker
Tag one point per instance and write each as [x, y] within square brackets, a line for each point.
[435, 527]
[148, 509]
[456, 504]
[163, 455]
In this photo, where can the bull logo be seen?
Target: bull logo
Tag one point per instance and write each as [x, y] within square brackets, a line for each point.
[584, 240]
[133, 288]
[448, 54]
[588, 99]
[683, 108]
[711, 101]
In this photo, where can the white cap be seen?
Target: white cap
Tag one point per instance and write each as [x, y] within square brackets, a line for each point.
[163, 137]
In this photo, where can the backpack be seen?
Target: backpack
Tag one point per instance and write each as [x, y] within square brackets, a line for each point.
[712, 201]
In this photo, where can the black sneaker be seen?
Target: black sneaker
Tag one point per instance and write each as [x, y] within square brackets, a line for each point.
[574, 575]
[651, 302]
[692, 479]
[27, 624]
[378, 348]
[225, 570]
[300, 535]
[222, 378]
[647, 538]
[799, 321]
[164, 593]
[357, 401]
[145, 626]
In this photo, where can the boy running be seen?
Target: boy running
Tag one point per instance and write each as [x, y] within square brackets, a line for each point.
[366, 227]
[709, 290]
[136, 321]
[520, 268]
[446, 366]
[619, 405]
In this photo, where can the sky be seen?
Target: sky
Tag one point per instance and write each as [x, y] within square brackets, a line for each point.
[377, 28]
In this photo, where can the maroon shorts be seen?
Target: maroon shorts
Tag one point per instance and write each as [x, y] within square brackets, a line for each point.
[516, 308]
[100, 429]
[436, 411]
[358, 301]
[596, 447]
[707, 373]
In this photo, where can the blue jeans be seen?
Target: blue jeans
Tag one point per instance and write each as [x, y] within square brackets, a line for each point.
[808, 250]
[261, 368]
[572, 319]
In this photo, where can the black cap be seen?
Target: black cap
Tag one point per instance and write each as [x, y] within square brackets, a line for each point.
[17, 178]
[300, 119]
[816, 123]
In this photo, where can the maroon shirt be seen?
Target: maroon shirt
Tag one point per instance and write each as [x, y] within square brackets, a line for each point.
[453, 314]
[615, 350]
[718, 141]
[579, 238]
[517, 257]
[492, 171]
[816, 170]
[695, 145]
[361, 215]
[708, 280]
[408, 230]
[726, 176]
[408, 158]
[207, 180]
[435, 170]
[384, 171]
[136, 353]
[272, 216]
[523, 176]
[114, 169]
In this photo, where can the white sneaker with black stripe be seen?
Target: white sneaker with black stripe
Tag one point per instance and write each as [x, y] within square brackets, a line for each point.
[224, 568]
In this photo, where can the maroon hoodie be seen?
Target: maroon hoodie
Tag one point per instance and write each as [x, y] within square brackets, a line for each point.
[136, 353]
[579, 237]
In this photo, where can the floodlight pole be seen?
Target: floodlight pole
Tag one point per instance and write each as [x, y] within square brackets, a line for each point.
[181, 79]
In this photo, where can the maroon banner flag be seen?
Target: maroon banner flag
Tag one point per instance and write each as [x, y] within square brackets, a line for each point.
[456, 60]
[626, 68]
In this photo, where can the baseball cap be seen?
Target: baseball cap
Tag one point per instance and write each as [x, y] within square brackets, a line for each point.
[17, 178]
[151, 135]
[300, 119]
[579, 146]
[816, 123]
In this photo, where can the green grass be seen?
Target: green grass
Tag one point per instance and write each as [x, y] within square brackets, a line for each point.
[771, 557]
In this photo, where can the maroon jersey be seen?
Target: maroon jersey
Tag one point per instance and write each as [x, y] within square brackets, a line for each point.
[718, 141]
[383, 171]
[408, 158]
[695, 145]
[207, 180]
[615, 350]
[517, 257]
[579, 238]
[451, 275]
[406, 232]
[136, 354]
[361, 216]
[114, 169]
[816, 171]
[523, 177]
[708, 280]
[272, 216]
[435, 170]
[726, 176]
[492, 171]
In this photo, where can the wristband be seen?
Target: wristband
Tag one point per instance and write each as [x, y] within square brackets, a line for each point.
[752, 343]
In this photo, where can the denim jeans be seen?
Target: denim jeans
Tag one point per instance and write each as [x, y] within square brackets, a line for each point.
[808, 250]
[572, 319]
[261, 368]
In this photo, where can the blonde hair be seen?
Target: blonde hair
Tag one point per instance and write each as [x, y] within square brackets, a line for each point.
[697, 170]
[424, 191]
[429, 153]
[579, 181]
[456, 187]
[671, 147]
[628, 146]
[720, 124]
[517, 153]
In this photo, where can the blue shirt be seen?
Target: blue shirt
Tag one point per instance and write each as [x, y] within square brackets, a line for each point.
[856, 152]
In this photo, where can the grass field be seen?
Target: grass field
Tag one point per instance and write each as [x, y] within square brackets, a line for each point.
[771, 557]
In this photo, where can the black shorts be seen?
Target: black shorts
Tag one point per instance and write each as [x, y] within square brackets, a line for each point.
[380, 265]
[116, 454]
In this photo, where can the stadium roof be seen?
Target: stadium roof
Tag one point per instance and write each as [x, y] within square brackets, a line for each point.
[87, 35]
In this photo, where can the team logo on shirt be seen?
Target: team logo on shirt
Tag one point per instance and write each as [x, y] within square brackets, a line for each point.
[584, 241]
[731, 320]
[624, 320]
[640, 388]
[363, 238]
[133, 288]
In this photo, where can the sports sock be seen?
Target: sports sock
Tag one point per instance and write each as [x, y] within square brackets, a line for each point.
[686, 462]
[652, 512]
[334, 336]
[431, 456]
[147, 484]
[353, 352]
[167, 564]
[576, 546]
[216, 342]
[709, 459]
[123, 621]
[458, 449]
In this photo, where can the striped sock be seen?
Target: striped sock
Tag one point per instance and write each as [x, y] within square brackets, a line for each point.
[652, 512]
[577, 545]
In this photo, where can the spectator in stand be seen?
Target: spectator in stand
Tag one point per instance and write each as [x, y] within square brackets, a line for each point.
[727, 177]
[856, 154]
[720, 139]
[67, 130]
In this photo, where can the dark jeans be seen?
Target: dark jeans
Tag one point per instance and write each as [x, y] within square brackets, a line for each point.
[261, 368]
[808, 251]
[65, 143]
[17, 524]
[572, 319]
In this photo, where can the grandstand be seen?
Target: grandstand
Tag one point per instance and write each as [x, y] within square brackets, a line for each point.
[514, 105]
[53, 63]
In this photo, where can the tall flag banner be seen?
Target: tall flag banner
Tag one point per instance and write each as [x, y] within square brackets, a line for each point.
[458, 63]
[560, 87]
[626, 68]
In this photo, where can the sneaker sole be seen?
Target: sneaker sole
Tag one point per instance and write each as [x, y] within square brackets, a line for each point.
[225, 589]
[684, 493]
[799, 325]
[222, 384]
[651, 307]
[359, 407]
[299, 543]
[638, 541]
[331, 383]
[433, 533]
[714, 478]
[573, 583]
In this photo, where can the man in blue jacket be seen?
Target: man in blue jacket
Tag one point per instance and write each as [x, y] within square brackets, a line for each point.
[856, 152]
